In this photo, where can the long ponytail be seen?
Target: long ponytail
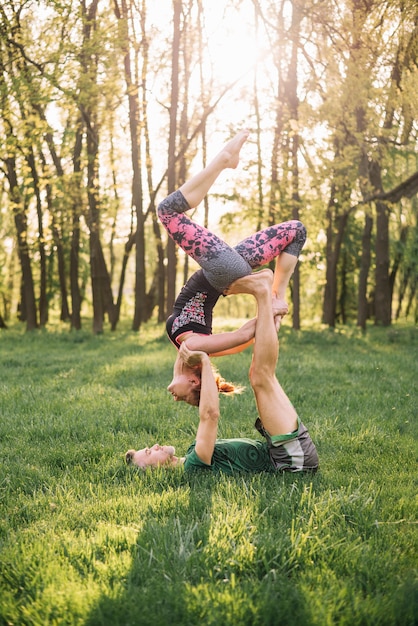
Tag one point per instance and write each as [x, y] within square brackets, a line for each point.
[225, 387]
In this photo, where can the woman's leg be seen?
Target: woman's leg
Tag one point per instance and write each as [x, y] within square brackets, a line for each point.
[268, 244]
[282, 242]
[221, 263]
[195, 190]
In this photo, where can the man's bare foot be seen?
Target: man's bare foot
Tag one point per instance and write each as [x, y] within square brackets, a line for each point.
[280, 306]
[253, 284]
[230, 152]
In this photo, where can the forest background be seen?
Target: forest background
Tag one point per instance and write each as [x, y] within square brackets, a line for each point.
[108, 106]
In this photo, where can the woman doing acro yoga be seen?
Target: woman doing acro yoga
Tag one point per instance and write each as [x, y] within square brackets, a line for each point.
[222, 265]
[287, 445]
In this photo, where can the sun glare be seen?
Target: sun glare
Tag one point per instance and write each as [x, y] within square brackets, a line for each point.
[231, 38]
[233, 45]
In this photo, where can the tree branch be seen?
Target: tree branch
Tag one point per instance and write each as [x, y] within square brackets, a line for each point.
[406, 189]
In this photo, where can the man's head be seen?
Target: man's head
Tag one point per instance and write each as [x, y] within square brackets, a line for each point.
[155, 456]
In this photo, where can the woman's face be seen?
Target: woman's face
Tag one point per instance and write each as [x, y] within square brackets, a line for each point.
[153, 457]
[183, 388]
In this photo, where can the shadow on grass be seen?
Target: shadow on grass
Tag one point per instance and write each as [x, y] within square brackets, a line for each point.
[186, 572]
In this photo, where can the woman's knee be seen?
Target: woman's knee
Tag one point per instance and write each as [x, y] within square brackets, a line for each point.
[299, 239]
[175, 203]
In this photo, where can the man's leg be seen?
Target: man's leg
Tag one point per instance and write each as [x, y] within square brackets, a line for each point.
[276, 412]
[296, 451]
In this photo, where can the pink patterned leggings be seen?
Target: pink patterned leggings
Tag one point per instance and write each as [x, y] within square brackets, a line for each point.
[222, 264]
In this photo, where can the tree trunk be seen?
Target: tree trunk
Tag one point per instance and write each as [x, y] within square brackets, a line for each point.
[100, 279]
[171, 174]
[398, 258]
[335, 229]
[43, 303]
[140, 290]
[56, 234]
[131, 80]
[75, 231]
[127, 250]
[62, 277]
[402, 290]
[383, 295]
[412, 300]
[342, 313]
[363, 307]
[383, 304]
[28, 302]
[293, 100]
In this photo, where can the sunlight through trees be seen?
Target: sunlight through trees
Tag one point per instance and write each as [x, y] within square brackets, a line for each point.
[107, 105]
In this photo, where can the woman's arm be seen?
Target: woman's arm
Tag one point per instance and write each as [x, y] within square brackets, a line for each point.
[207, 430]
[220, 344]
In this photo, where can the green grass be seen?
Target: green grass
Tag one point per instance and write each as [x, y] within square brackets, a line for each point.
[85, 539]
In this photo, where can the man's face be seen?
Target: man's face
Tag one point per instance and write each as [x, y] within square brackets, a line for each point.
[153, 457]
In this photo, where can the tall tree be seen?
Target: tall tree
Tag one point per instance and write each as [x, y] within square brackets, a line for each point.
[293, 103]
[405, 61]
[172, 146]
[11, 60]
[124, 15]
[100, 279]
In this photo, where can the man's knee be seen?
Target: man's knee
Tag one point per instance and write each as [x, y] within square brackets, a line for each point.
[259, 377]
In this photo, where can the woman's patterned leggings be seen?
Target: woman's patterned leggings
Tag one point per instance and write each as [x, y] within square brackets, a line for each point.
[222, 264]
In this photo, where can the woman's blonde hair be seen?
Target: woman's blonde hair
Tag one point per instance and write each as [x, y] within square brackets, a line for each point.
[228, 389]
[224, 386]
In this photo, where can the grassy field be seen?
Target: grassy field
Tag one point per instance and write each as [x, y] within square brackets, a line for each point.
[85, 539]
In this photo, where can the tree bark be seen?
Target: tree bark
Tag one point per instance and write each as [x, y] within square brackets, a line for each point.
[43, 302]
[100, 279]
[383, 305]
[293, 100]
[28, 303]
[363, 308]
[75, 231]
[335, 230]
[171, 174]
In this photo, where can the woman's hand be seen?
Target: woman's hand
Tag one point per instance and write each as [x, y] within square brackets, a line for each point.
[191, 357]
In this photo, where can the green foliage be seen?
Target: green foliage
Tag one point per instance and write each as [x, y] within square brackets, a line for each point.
[63, 81]
[85, 539]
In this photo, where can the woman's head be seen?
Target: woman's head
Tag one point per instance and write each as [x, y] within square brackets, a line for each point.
[156, 456]
[186, 386]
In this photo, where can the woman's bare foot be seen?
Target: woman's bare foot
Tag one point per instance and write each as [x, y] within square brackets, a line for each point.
[253, 284]
[230, 152]
[280, 306]
[195, 189]
[277, 322]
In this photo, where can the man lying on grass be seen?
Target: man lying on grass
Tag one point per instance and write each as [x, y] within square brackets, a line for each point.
[287, 445]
